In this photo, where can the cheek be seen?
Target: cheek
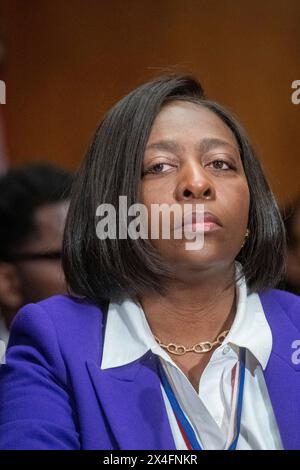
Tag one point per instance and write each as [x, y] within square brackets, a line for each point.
[243, 202]
[153, 192]
[236, 206]
[235, 195]
[156, 194]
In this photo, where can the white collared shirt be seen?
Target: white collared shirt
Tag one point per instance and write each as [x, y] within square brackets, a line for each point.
[128, 337]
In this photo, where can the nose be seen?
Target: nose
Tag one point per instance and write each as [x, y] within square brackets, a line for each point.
[194, 183]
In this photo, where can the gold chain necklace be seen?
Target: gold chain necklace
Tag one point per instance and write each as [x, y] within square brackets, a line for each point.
[199, 348]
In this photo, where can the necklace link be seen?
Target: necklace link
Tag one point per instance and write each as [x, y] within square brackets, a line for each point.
[198, 348]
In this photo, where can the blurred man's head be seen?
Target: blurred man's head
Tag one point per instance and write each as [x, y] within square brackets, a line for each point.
[292, 224]
[33, 206]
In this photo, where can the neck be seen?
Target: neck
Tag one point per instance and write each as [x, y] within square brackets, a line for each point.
[191, 313]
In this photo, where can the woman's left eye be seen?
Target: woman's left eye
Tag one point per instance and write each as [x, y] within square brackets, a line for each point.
[219, 165]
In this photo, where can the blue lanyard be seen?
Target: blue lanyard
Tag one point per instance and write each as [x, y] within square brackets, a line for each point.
[181, 416]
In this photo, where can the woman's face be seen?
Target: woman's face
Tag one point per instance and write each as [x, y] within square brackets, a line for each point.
[192, 157]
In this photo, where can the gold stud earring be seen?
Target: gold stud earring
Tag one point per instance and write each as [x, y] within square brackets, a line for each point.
[246, 236]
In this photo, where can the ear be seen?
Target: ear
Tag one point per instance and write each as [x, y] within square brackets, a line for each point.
[11, 296]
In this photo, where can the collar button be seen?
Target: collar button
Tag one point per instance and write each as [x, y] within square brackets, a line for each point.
[226, 350]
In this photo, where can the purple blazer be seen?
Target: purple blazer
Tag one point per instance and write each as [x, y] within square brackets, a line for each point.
[53, 394]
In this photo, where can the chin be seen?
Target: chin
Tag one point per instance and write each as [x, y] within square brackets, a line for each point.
[194, 259]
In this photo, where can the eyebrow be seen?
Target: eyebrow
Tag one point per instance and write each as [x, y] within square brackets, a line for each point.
[204, 146]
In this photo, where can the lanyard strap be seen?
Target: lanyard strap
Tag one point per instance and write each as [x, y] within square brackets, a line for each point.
[239, 398]
[189, 433]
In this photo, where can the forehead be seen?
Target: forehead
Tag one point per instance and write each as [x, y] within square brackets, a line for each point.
[185, 121]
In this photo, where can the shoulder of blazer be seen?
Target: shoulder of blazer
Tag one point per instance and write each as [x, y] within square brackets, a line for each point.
[76, 323]
[72, 306]
[66, 308]
[285, 303]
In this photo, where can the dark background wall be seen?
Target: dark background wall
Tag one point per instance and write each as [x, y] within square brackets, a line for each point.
[68, 61]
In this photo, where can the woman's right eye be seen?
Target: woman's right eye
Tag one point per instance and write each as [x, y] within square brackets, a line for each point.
[157, 168]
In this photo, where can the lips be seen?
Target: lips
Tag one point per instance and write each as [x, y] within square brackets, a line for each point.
[209, 217]
[198, 218]
[199, 222]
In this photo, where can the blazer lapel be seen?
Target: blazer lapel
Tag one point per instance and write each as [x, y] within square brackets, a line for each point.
[131, 399]
[282, 373]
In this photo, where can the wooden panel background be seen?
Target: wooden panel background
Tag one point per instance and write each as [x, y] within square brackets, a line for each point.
[68, 61]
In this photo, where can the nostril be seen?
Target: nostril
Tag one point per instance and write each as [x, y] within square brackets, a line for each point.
[206, 193]
[186, 193]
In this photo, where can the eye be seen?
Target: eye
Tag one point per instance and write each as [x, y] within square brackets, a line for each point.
[157, 168]
[220, 165]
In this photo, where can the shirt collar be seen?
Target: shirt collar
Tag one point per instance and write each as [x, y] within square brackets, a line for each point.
[128, 335]
[250, 328]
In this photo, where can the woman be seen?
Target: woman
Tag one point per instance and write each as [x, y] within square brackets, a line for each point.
[160, 346]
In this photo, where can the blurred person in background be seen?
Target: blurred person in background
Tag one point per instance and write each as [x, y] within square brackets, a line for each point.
[34, 201]
[291, 215]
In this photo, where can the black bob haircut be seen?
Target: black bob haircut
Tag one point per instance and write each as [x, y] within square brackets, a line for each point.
[111, 268]
[290, 214]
